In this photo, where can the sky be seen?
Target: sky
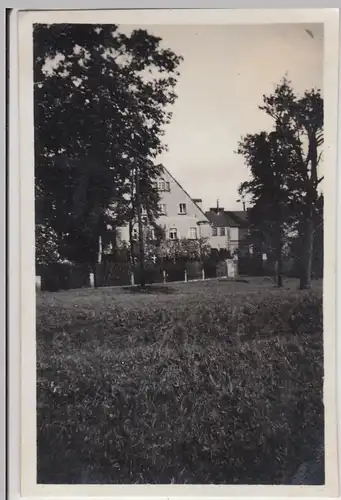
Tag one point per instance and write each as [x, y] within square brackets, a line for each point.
[225, 71]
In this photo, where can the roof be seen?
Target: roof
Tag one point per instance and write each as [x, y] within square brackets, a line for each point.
[240, 217]
[220, 219]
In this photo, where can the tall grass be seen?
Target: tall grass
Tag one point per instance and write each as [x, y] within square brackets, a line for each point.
[212, 383]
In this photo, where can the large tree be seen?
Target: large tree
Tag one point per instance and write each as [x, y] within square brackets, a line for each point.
[102, 99]
[295, 143]
[272, 163]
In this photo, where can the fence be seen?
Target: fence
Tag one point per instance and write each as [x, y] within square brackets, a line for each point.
[67, 276]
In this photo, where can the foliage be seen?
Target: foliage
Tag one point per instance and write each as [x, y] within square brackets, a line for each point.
[47, 250]
[180, 249]
[211, 383]
[102, 99]
[284, 167]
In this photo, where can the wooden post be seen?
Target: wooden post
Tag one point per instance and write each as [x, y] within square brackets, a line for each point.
[186, 275]
[164, 276]
[132, 279]
[203, 273]
[92, 280]
[38, 283]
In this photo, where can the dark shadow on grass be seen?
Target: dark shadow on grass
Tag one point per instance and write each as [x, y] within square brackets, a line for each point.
[150, 289]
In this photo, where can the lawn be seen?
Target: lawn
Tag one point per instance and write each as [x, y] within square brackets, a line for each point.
[209, 382]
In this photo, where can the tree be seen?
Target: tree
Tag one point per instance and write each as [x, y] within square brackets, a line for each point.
[285, 163]
[300, 121]
[272, 162]
[47, 251]
[102, 99]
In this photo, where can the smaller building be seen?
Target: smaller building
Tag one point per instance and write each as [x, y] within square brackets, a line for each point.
[229, 229]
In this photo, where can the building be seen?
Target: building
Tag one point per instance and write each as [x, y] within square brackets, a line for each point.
[180, 216]
[229, 229]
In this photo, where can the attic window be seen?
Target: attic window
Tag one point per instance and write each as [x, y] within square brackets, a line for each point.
[182, 208]
[163, 185]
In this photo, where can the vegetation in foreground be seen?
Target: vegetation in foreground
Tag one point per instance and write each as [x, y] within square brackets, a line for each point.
[214, 382]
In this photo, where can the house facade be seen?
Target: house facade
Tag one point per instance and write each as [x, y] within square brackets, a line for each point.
[180, 216]
[228, 229]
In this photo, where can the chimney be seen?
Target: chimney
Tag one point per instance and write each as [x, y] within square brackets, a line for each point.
[198, 201]
[217, 210]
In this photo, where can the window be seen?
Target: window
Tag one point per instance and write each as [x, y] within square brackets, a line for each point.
[151, 234]
[173, 233]
[182, 208]
[162, 209]
[222, 231]
[214, 231]
[135, 234]
[193, 233]
[167, 186]
[143, 211]
[161, 185]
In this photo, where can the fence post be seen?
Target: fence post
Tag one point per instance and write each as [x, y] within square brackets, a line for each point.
[92, 280]
[185, 275]
[203, 273]
[132, 279]
[38, 283]
[164, 276]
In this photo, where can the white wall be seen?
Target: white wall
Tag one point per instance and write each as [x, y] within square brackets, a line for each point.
[173, 218]
[229, 241]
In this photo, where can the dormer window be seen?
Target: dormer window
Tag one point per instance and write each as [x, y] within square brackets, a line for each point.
[222, 231]
[214, 231]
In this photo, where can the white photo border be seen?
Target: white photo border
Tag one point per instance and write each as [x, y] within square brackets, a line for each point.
[22, 217]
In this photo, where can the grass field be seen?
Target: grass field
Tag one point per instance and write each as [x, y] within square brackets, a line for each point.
[212, 382]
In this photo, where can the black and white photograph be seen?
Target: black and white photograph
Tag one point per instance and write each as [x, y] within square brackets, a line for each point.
[179, 207]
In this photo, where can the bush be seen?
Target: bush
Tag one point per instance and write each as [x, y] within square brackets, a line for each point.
[64, 276]
[208, 385]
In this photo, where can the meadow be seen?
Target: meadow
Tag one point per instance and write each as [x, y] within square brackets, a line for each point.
[209, 382]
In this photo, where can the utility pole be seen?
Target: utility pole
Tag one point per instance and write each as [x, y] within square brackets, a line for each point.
[140, 226]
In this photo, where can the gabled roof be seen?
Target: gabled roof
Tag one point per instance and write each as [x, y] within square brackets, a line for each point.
[184, 190]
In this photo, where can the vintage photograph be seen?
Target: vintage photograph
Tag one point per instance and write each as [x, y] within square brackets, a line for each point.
[179, 253]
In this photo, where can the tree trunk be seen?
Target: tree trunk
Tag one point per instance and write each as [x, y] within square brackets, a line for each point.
[278, 262]
[140, 226]
[307, 254]
[131, 243]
